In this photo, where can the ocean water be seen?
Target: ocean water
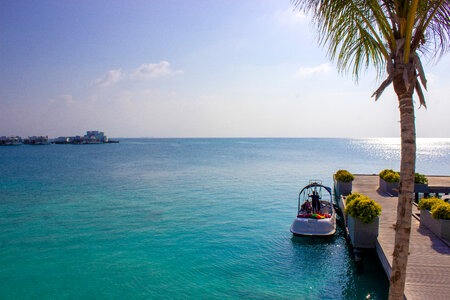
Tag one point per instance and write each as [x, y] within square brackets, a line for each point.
[183, 218]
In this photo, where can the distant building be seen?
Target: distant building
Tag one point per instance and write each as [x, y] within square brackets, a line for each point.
[95, 137]
[10, 140]
[91, 137]
[76, 139]
[62, 140]
[37, 140]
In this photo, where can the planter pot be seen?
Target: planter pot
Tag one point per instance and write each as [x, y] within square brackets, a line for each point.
[344, 188]
[363, 235]
[390, 188]
[341, 204]
[420, 188]
[441, 228]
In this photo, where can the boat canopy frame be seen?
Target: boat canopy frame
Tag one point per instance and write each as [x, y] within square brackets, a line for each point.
[316, 186]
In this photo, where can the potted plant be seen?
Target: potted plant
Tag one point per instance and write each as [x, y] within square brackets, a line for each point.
[435, 215]
[343, 182]
[389, 181]
[363, 220]
[343, 201]
[420, 183]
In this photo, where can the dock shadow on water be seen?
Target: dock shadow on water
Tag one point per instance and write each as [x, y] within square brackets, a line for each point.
[329, 265]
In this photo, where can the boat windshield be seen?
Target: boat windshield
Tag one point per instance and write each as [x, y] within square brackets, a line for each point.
[315, 198]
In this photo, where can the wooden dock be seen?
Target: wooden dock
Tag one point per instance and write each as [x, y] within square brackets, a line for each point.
[428, 272]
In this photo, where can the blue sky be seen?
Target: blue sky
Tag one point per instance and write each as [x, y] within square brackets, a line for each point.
[188, 69]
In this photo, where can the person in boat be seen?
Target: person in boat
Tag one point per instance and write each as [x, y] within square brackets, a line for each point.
[315, 199]
[306, 207]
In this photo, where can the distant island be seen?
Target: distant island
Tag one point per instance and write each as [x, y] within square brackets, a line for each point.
[91, 137]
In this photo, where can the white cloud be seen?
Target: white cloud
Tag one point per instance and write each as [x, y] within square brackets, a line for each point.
[147, 71]
[144, 71]
[307, 72]
[110, 78]
[68, 99]
[65, 99]
[290, 16]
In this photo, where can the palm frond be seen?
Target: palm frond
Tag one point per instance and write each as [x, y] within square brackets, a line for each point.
[438, 30]
[425, 12]
[419, 68]
[432, 33]
[420, 94]
[382, 13]
[382, 33]
[382, 87]
[351, 32]
[410, 20]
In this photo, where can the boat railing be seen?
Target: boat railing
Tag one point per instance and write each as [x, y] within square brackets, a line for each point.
[315, 181]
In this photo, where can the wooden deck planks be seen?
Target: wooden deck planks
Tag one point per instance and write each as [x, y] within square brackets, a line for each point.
[428, 273]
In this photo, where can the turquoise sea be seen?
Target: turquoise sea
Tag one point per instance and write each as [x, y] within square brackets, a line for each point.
[183, 218]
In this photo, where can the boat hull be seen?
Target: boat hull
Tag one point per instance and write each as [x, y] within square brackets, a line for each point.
[314, 227]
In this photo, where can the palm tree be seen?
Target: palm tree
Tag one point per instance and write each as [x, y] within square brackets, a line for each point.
[389, 35]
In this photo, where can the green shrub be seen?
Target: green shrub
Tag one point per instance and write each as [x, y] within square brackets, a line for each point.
[385, 172]
[352, 197]
[390, 175]
[420, 178]
[363, 208]
[344, 176]
[441, 211]
[429, 203]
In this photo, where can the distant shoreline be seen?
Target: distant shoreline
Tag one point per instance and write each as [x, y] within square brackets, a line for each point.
[91, 137]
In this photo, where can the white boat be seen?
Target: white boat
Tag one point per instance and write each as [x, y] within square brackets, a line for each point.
[315, 214]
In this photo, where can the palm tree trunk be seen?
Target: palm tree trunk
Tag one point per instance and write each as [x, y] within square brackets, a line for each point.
[406, 194]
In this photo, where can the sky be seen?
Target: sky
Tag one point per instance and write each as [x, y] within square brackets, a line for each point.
[189, 69]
